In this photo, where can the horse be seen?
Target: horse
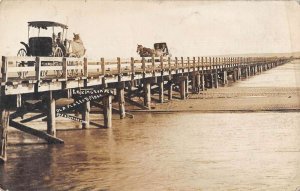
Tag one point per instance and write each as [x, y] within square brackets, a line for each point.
[76, 47]
[148, 52]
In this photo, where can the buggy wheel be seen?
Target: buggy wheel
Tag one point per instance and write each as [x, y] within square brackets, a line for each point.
[58, 53]
[22, 52]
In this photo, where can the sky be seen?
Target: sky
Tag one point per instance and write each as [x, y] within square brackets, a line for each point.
[190, 28]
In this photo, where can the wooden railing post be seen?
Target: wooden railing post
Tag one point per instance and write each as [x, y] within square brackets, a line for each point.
[161, 64]
[132, 67]
[119, 65]
[4, 69]
[143, 65]
[65, 69]
[176, 65]
[103, 66]
[85, 67]
[38, 68]
[153, 64]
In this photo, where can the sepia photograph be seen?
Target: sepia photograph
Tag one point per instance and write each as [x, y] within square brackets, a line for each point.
[150, 95]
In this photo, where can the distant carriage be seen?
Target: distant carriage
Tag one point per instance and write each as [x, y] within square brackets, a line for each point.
[160, 49]
[45, 44]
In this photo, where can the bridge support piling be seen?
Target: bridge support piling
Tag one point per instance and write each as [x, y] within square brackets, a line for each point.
[170, 91]
[194, 83]
[239, 73]
[86, 115]
[216, 83]
[234, 75]
[147, 96]
[182, 89]
[198, 82]
[107, 111]
[121, 100]
[202, 82]
[161, 91]
[4, 120]
[51, 124]
[224, 78]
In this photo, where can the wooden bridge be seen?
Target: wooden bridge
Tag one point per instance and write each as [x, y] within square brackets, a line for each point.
[29, 83]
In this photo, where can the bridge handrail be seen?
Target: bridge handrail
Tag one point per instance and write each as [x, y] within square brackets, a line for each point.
[119, 66]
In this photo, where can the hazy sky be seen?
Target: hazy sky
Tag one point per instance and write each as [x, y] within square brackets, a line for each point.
[190, 28]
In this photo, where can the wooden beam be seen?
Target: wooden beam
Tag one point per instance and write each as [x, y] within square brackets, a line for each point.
[4, 119]
[135, 103]
[182, 89]
[161, 91]
[41, 134]
[86, 115]
[170, 91]
[107, 111]
[147, 95]
[51, 128]
[121, 100]
[33, 118]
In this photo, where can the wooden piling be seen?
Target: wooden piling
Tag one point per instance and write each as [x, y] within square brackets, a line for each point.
[202, 82]
[86, 115]
[121, 100]
[147, 95]
[170, 91]
[216, 81]
[161, 91]
[225, 79]
[198, 82]
[234, 75]
[107, 111]
[51, 126]
[4, 120]
[182, 89]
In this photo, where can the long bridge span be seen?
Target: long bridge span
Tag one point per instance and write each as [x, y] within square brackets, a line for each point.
[31, 83]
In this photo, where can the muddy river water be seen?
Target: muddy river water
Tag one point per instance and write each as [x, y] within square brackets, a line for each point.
[178, 151]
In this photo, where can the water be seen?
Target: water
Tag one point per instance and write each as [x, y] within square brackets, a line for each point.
[181, 151]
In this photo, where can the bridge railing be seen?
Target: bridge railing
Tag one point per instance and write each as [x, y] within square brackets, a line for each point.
[59, 68]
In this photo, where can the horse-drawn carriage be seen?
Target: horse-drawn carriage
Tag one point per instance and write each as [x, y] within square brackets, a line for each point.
[49, 43]
[160, 49]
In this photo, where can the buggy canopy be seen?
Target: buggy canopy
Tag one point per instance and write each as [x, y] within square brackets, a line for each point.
[46, 24]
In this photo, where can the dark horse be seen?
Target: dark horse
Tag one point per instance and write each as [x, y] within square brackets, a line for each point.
[148, 52]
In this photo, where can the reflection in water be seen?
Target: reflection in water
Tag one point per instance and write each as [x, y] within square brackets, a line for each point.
[171, 151]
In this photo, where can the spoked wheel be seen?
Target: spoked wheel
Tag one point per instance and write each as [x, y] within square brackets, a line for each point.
[22, 52]
[58, 53]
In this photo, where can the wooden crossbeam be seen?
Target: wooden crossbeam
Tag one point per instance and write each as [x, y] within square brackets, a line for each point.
[33, 118]
[41, 134]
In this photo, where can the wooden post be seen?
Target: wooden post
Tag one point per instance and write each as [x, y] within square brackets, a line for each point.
[121, 100]
[147, 96]
[107, 111]
[170, 91]
[161, 91]
[4, 120]
[182, 89]
[239, 73]
[216, 83]
[211, 76]
[194, 83]
[198, 82]
[234, 75]
[51, 128]
[202, 82]
[225, 80]
[86, 115]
